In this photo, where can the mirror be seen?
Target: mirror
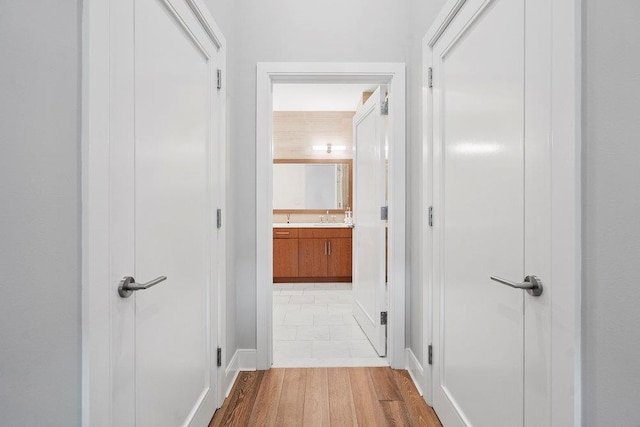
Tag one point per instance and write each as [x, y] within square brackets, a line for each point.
[311, 185]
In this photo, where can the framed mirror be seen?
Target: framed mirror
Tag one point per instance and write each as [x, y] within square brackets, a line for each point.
[312, 185]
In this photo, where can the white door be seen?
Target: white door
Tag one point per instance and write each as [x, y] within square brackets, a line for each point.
[487, 222]
[165, 161]
[369, 196]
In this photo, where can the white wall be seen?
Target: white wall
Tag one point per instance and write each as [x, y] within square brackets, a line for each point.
[422, 15]
[611, 213]
[40, 213]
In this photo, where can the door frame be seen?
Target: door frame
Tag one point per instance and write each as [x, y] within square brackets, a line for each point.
[392, 74]
[98, 293]
[563, 50]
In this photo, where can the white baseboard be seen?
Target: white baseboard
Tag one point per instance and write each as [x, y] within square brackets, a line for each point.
[415, 370]
[247, 359]
[230, 374]
[242, 360]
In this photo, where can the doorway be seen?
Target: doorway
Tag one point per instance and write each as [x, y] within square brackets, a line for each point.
[391, 75]
[320, 297]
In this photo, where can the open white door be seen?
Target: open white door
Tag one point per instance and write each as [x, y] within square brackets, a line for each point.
[165, 157]
[369, 197]
[491, 211]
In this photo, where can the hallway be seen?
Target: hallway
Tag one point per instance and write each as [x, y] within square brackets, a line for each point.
[78, 75]
[323, 397]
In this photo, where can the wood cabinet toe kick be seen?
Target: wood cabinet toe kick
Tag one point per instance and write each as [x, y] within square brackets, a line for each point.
[312, 255]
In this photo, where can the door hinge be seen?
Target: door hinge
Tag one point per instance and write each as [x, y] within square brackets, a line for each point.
[219, 362]
[430, 216]
[219, 78]
[219, 218]
[383, 317]
[430, 77]
[384, 213]
[430, 356]
[384, 108]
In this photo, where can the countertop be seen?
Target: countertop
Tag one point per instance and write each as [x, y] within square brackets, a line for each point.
[312, 225]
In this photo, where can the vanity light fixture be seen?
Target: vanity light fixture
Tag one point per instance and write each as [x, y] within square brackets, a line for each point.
[329, 148]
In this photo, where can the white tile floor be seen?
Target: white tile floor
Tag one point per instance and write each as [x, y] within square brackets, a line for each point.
[313, 326]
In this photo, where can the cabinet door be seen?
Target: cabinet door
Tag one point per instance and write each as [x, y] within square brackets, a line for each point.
[285, 258]
[339, 260]
[312, 260]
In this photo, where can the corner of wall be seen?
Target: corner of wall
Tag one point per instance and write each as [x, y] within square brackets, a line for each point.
[242, 360]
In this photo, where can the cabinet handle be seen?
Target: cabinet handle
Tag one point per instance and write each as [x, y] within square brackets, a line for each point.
[282, 232]
[329, 241]
[325, 247]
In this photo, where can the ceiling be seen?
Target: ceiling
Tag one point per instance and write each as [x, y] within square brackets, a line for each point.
[318, 97]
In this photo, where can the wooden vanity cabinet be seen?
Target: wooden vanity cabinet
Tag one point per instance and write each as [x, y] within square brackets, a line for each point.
[324, 255]
[339, 260]
[312, 258]
[285, 252]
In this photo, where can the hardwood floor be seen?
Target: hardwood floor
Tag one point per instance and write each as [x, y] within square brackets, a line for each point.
[325, 397]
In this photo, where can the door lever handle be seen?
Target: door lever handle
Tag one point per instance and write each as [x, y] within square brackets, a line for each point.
[128, 285]
[532, 284]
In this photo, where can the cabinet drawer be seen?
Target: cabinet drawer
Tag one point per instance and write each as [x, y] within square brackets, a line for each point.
[322, 233]
[285, 233]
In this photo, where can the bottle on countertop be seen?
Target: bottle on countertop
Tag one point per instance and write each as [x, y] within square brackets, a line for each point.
[348, 218]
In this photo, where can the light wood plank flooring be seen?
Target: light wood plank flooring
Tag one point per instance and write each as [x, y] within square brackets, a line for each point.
[377, 396]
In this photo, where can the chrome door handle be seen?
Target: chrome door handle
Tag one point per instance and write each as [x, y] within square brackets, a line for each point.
[128, 285]
[532, 284]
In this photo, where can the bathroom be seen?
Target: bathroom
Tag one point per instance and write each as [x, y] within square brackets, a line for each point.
[314, 225]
